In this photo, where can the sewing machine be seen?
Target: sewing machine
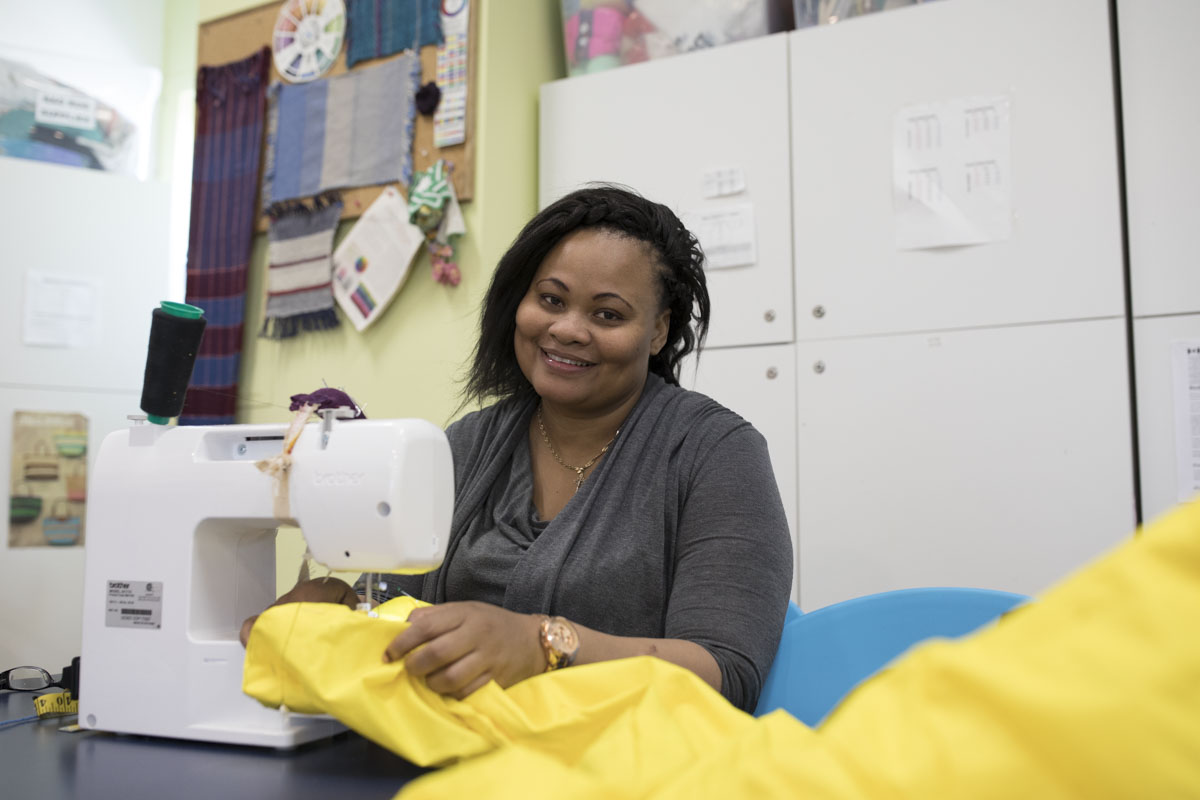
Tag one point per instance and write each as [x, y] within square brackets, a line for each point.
[181, 533]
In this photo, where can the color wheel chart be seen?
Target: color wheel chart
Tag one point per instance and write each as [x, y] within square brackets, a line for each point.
[307, 38]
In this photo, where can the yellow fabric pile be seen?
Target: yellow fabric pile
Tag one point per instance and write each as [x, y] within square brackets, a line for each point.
[1093, 691]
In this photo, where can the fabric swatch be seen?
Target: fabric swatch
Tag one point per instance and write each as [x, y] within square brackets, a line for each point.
[350, 130]
[230, 110]
[300, 269]
[380, 28]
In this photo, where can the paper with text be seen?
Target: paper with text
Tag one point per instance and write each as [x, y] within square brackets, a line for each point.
[1185, 370]
[61, 310]
[951, 175]
[726, 234]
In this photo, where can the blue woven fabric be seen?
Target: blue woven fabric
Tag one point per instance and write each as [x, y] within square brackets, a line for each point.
[378, 28]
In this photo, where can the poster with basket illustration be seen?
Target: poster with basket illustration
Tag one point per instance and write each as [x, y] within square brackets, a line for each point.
[46, 501]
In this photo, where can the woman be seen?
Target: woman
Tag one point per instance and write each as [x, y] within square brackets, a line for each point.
[643, 517]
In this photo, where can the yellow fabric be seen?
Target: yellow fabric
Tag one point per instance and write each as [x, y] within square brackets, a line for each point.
[325, 658]
[1093, 691]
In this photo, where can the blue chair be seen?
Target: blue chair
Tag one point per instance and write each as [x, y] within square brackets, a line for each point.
[826, 653]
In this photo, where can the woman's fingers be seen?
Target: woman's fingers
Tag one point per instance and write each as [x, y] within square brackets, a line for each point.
[460, 677]
[425, 625]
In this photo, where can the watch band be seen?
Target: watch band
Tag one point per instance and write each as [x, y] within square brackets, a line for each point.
[560, 642]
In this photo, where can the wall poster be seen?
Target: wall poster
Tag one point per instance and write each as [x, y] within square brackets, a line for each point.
[48, 495]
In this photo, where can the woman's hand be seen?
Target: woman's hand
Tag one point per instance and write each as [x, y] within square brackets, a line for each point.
[318, 590]
[468, 644]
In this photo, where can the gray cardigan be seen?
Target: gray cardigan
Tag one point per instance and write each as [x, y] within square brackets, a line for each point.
[677, 533]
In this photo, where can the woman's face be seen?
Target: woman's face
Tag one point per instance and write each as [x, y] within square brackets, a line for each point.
[590, 322]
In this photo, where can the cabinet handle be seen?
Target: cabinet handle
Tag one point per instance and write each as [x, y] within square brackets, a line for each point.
[769, 316]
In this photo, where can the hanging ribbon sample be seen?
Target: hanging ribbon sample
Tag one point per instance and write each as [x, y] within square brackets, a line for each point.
[230, 109]
[299, 295]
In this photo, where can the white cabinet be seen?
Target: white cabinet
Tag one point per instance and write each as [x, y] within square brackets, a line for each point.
[969, 422]
[1159, 60]
[993, 457]
[661, 127]
[958, 415]
[848, 83]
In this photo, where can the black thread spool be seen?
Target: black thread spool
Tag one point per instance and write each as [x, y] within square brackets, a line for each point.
[175, 333]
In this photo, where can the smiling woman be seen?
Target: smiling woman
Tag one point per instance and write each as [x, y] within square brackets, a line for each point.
[601, 510]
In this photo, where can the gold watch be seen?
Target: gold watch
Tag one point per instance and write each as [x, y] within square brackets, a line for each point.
[560, 640]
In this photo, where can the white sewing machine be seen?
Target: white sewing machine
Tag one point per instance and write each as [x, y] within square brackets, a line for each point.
[181, 549]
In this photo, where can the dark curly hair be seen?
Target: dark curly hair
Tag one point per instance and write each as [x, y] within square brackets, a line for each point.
[494, 371]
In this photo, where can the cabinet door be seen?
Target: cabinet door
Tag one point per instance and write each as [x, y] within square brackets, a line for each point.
[1159, 62]
[1163, 428]
[662, 128]
[998, 458]
[759, 383]
[850, 82]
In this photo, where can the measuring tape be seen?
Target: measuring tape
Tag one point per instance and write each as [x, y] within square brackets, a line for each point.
[55, 705]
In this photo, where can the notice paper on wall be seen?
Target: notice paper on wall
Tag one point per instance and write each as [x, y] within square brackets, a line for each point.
[372, 261]
[951, 173]
[726, 233]
[61, 310]
[1185, 371]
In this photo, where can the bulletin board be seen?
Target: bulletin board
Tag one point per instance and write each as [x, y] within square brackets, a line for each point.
[240, 35]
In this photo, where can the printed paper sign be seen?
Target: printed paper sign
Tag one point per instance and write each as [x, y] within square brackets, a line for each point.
[726, 234]
[1185, 370]
[61, 310]
[65, 110]
[951, 175]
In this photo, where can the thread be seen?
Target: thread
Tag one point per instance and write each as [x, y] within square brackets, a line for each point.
[175, 333]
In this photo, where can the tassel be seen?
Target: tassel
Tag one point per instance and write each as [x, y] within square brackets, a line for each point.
[288, 327]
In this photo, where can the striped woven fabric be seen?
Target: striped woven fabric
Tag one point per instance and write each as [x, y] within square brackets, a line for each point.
[384, 27]
[353, 129]
[299, 280]
[230, 108]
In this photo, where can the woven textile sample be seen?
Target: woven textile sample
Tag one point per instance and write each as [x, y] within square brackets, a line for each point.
[230, 109]
[384, 27]
[350, 130]
[299, 292]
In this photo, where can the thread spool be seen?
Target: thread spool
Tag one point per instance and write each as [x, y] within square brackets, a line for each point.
[175, 333]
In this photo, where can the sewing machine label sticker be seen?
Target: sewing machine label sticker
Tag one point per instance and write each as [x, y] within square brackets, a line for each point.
[134, 604]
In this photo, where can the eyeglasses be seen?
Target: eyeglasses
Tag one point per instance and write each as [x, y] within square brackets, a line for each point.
[27, 679]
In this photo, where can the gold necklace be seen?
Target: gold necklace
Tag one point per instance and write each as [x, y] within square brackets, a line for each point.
[577, 470]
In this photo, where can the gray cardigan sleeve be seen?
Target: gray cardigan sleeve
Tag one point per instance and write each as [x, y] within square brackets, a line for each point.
[733, 562]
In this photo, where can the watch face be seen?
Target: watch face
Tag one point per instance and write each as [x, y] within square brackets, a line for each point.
[562, 637]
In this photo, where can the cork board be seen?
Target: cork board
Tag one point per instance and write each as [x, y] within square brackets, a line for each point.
[240, 35]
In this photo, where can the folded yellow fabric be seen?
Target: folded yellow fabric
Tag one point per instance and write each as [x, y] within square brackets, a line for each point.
[1093, 691]
[325, 658]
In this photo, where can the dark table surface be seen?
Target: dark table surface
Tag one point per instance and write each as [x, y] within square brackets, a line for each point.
[40, 762]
